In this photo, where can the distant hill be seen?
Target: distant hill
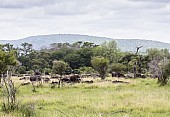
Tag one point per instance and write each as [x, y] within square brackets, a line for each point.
[124, 44]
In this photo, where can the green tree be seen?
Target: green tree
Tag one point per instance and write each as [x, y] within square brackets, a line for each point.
[22, 70]
[7, 63]
[8, 47]
[108, 50]
[26, 48]
[73, 60]
[86, 70]
[118, 67]
[100, 64]
[158, 64]
[59, 67]
[154, 53]
[6, 59]
[166, 74]
[85, 56]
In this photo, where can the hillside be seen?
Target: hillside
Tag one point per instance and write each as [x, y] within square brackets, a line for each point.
[124, 44]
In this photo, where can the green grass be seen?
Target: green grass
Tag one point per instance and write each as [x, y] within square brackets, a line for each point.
[139, 98]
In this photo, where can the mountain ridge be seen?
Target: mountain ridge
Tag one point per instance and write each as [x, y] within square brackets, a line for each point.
[40, 41]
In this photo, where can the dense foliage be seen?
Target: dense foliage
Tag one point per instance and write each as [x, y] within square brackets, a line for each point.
[82, 57]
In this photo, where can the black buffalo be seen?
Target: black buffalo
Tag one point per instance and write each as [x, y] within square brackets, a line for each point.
[46, 80]
[139, 75]
[65, 79]
[117, 74]
[35, 78]
[75, 78]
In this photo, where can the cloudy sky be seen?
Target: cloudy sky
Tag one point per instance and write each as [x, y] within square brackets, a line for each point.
[134, 19]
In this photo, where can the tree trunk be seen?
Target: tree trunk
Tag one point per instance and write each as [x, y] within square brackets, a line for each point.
[59, 83]
[134, 70]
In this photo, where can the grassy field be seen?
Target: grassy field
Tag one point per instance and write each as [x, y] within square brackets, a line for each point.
[138, 98]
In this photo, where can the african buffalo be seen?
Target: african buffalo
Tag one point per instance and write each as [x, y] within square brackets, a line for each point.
[65, 79]
[75, 78]
[46, 80]
[25, 83]
[35, 78]
[117, 74]
[139, 75]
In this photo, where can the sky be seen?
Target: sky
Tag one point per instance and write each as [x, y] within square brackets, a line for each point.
[118, 19]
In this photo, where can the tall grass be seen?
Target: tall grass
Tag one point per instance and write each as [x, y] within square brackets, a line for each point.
[141, 97]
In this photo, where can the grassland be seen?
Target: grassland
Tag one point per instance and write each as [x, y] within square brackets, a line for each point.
[138, 98]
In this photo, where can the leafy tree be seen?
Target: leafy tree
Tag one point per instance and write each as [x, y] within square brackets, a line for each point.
[59, 67]
[77, 45]
[73, 60]
[85, 56]
[57, 55]
[1, 47]
[61, 53]
[118, 67]
[22, 70]
[26, 48]
[6, 59]
[25, 61]
[158, 65]
[47, 71]
[88, 45]
[154, 53]
[86, 70]
[36, 68]
[100, 64]
[40, 62]
[166, 74]
[8, 47]
[108, 50]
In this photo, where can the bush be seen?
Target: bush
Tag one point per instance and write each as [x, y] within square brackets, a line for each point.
[165, 77]
[22, 70]
[86, 70]
[118, 67]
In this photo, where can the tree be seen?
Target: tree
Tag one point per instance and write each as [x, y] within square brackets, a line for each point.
[8, 47]
[118, 67]
[158, 65]
[6, 59]
[22, 70]
[166, 74]
[59, 67]
[155, 53]
[85, 56]
[108, 50]
[73, 60]
[26, 48]
[100, 64]
[86, 70]
[136, 61]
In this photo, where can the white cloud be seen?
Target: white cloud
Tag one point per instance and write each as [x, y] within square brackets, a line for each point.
[24, 3]
[146, 19]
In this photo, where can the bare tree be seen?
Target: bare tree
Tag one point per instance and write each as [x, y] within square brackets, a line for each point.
[156, 68]
[135, 63]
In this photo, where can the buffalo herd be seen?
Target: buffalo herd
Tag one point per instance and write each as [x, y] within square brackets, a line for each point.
[73, 78]
[129, 75]
[54, 80]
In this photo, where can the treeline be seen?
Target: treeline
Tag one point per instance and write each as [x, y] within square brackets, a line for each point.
[80, 57]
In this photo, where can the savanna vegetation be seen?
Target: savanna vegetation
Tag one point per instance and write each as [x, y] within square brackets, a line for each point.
[88, 79]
